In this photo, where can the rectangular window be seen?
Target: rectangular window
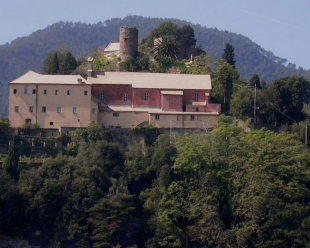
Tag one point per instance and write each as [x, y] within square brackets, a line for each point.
[56, 92]
[93, 111]
[33, 91]
[16, 108]
[30, 109]
[74, 110]
[156, 117]
[115, 114]
[68, 92]
[51, 123]
[85, 92]
[27, 89]
[146, 96]
[58, 109]
[192, 117]
[43, 109]
[125, 97]
[44, 92]
[196, 98]
[101, 96]
[14, 91]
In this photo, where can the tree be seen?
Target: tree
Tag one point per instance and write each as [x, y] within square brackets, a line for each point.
[286, 99]
[68, 64]
[229, 55]
[166, 47]
[187, 37]
[51, 63]
[226, 75]
[254, 80]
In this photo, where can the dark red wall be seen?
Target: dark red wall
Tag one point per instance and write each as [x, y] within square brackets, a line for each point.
[172, 102]
[113, 94]
[189, 95]
[154, 98]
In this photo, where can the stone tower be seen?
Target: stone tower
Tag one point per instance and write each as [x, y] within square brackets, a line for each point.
[128, 39]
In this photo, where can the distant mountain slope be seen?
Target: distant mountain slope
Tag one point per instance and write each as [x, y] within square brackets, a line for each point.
[27, 53]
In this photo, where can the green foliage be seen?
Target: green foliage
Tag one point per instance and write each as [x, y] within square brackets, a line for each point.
[149, 133]
[166, 46]
[59, 62]
[254, 80]
[223, 83]
[229, 55]
[5, 126]
[68, 64]
[286, 98]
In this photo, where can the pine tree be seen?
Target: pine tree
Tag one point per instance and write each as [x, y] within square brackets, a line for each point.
[229, 55]
[68, 64]
[254, 80]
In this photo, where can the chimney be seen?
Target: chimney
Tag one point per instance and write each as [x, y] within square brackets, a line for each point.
[79, 80]
[90, 66]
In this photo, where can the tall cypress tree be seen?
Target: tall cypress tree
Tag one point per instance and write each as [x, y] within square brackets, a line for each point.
[68, 64]
[229, 55]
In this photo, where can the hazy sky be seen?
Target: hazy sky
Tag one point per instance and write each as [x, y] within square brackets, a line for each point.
[281, 26]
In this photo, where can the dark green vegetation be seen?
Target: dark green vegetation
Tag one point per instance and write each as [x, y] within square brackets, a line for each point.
[226, 188]
[28, 53]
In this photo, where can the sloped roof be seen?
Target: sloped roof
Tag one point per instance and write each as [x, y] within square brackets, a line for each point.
[154, 80]
[32, 77]
[112, 47]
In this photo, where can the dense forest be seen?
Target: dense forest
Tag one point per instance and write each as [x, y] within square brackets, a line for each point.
[27, 53]
[232, 187]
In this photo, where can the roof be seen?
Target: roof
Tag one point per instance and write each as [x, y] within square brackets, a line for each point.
[112, 47]
[154, 80]
[31, 77]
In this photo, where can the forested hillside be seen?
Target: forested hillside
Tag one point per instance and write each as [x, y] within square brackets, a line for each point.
[225, 188]
[27, 53]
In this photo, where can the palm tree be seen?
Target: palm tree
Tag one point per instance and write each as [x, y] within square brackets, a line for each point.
[166, 47]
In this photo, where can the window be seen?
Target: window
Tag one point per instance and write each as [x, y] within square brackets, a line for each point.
[115, 114]
[85, 92]
[68, 92]
[51, 123]
[56, 92]
[14, 91]
[33, 91]
[93, 111]
[197, 109]
[125, 97]
[156, 117]
[27, 89]
[192, 117]
[16, 108]
[30, 109]
[58, 109]
[74, 110]
[196, 97]
[146, 96]
[101, 96]
[45, 92]
[43, 109]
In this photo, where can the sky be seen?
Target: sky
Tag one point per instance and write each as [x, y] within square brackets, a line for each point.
[279, 26]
